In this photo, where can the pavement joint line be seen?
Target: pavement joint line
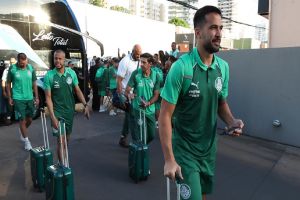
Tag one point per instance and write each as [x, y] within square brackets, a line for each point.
[257, 186]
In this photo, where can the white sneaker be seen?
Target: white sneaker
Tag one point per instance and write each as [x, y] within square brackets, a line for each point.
[120, 111]
[102, 109]
[112, 113]
[21, 136]
[28, 146]
[156, 124]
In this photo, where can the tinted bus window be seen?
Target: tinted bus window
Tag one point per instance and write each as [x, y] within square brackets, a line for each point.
[28, 17]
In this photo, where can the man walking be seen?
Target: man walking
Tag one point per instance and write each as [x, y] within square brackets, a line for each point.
[60, 85]
[22, 78]
[94, 85]
[126, 66]
[194, 94]
[145, 83]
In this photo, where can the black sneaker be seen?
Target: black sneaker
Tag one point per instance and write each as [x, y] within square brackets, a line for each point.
[123, 142]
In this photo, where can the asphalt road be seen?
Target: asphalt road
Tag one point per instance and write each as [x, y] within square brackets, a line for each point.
[247, 168]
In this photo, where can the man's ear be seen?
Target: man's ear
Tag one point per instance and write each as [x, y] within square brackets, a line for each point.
[198, 33]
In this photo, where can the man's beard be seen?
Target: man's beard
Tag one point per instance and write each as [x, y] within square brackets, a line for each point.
[58, 66]
[210, 48]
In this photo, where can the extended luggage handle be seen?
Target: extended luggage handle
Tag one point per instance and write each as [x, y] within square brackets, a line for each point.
[169, 192]
[45, 130]
[62, 132]
[142, 124]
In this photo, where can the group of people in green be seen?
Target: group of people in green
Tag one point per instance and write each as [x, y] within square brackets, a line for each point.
[193, 94]
[60, 85]
[106, 80]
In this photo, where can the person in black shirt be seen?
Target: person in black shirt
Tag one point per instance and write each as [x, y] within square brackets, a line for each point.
[94, 86]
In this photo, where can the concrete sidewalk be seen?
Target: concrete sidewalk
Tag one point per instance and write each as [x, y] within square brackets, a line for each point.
[247, 168]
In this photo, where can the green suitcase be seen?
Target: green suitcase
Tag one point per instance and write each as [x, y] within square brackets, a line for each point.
[138, 158]
[59, 177]
[59, 183]
[40, 158]
[138, 161]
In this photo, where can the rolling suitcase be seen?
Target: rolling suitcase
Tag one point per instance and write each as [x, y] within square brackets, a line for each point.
[40, 158]
[138, 158]
[59, 177]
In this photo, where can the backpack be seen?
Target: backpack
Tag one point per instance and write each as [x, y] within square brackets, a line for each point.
[120, 101]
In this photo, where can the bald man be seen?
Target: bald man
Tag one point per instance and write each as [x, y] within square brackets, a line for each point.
[60, 84]
[126, 66]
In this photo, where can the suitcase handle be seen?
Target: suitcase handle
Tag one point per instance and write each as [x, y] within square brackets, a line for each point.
[62, 133]
[169, 192]
[143, 135]
[45, 130]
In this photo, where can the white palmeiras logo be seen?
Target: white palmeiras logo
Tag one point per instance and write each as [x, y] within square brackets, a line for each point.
[185, 191]
[69, 80]
[219, 84]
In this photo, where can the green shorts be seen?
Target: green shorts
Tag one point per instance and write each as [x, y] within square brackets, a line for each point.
[198, 175]
[101, 90]
[195, 184]
[23, 109]
[102, 93]
[68, 124]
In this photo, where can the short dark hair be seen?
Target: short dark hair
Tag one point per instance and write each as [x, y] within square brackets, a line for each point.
[199, 17]
[2, 63]
[21, 56]
[115, 60]
[172, 59]
[149, 57]
[98, 60]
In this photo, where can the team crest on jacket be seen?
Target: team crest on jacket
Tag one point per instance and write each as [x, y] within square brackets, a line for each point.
[185, 191]
[219, 84]
[69, 80]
